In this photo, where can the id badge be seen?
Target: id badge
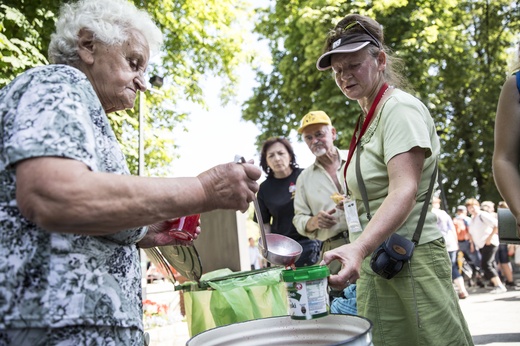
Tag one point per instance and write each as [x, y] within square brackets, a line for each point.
[351, 216]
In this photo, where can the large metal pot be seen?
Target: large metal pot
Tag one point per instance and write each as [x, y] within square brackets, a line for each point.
[330, 330]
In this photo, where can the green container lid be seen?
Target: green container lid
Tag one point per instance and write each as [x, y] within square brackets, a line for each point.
[305, 273]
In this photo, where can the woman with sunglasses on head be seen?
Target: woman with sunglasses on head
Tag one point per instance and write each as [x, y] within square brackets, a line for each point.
[391, 165]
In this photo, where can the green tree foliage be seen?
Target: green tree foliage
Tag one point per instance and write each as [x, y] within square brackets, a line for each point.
[455, 55]
[23, 28]
[201, 38]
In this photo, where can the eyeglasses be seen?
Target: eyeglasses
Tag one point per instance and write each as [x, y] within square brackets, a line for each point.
[318, 135]
[366, 30]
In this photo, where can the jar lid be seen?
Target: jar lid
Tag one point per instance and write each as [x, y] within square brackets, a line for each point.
[184, 259]
[305, 273]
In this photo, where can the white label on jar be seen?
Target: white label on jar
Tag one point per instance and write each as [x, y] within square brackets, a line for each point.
[308, 298]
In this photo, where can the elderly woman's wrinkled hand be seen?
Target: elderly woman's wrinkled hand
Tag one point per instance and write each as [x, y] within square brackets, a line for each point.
[230, 186]
[160, 234]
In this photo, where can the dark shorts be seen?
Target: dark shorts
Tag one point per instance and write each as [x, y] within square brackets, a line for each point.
[502, 255]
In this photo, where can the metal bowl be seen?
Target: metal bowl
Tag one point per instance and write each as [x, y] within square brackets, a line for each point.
[281, 250]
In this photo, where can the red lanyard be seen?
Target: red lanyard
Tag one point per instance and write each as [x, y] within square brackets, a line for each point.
[356, 138]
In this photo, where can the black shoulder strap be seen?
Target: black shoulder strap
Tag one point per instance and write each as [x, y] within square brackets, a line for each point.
[426, 205]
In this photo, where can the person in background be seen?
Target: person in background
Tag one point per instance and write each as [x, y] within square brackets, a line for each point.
[462, 225]
[276, 196]
[396, 147]
[484, 232]
[506, 154]
[316, 215]
[489, 207]
[447, 228]
[71, 215]
[502, 255]
[254, 254]
[514, 253]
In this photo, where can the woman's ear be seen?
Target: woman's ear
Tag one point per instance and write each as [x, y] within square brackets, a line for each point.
[86, 46]
[381, 60]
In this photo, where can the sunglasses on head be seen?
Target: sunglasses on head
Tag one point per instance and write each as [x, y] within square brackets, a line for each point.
[350, 25]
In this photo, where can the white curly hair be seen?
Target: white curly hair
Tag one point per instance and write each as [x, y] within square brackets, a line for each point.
[109, 20]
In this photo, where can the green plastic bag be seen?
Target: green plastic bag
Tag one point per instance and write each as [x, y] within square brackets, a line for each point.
[246, 296]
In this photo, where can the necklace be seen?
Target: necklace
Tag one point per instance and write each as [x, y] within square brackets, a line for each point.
[384, 93]
[376, 101]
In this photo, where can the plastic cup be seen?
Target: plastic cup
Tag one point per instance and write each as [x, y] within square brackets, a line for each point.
[184, 227]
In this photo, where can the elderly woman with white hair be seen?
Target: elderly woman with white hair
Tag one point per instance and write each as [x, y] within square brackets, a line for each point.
[71, 216]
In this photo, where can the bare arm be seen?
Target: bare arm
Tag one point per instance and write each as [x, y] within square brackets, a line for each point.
[507, 146]
[404, 174]
[63, 195]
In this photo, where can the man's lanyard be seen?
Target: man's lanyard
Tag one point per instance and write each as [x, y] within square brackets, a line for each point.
[356, 138]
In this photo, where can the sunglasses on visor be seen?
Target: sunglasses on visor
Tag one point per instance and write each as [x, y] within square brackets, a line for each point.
[350, 25]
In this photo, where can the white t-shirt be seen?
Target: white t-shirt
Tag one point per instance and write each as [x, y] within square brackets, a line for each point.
[482, 225]
[447, 228]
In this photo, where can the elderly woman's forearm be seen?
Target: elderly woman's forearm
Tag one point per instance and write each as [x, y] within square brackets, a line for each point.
[96, 203]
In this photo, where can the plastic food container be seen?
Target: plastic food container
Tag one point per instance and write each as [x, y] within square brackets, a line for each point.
[307, 292]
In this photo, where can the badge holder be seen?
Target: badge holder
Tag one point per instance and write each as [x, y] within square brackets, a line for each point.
[351, 216]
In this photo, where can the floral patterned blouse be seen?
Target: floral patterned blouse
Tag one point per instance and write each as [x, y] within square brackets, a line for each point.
[60, 279]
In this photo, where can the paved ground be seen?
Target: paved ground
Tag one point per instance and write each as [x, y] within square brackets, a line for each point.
[493, 319]
[175, 334]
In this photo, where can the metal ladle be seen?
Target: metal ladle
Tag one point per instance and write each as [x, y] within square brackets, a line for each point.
[278, 249]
